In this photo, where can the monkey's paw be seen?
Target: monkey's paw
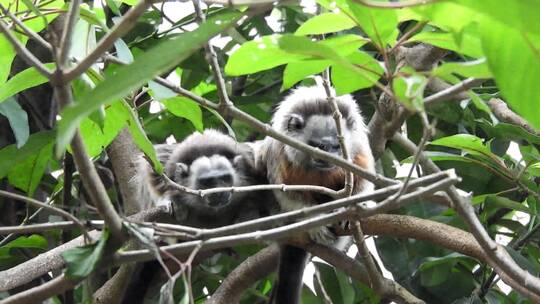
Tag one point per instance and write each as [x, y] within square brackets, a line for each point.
[322, 235]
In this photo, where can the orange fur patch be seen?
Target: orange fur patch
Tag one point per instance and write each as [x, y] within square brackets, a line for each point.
[333, 179]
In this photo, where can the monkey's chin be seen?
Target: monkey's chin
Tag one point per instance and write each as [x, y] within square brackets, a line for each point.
[218, 200]
[322, 165]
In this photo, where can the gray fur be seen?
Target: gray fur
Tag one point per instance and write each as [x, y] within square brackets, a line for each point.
[196, 160]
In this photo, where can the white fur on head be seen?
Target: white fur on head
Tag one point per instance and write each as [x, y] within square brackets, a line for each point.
[356, 137]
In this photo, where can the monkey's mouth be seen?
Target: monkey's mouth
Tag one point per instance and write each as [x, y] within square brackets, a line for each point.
[322, 165]
[217, 200]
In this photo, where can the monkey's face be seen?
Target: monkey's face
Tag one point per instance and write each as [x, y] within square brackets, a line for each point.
[318, 131]
[209, 172]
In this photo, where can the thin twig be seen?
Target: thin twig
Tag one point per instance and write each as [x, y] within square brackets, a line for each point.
[26, 29]
[497, 256]
[211, 58]
[120, 29]
[51, 209]
[67, 33]
[452, 91]
[280, 232]
[338, 119]
[282, 187]
[375, 277]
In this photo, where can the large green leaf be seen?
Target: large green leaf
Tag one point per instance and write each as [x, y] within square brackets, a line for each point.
[22, 81]
[327, 49]
[379, 24]
[477, 69]
[297, 71]
[10, 155]
[178, 105]
[515, 65]
[466, 42]
[148, 65]
[325, 23]
[466, 142]
[520, 15]
[27, 174]
[269, 52]
[81, 261]
[18, 120]
[346, 80]
[34, 241]
[95, 137]
[258, 55]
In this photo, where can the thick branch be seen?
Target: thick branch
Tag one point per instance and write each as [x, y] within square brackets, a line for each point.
[52, 260]
[44, 291]
[354, 269]
[520, 279]
[245, 275]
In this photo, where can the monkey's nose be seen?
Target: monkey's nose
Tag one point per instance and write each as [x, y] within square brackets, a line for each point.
[215, 179]
[218, 199]
[327, 144]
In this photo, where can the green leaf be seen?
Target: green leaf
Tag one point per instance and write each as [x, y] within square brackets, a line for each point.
[18, 120]
[27, 174]
[330, 282]
[437, 270]
[81, 261]
[325, 23]
[297, 71]
[258, 55]
[410, 91]
[11, 155]
[325, 50]
[518, 55]
[271, 51]
[34, 241]
[507, 131]
[346, 80]
[185, 108]
[140, 138]
[467, 42]
[21, 81]
[178, 105]
[379, 24]
[466, 142]
[95, 137]
[476, 69]
[503, 202]
[6, 58]
[148, 65]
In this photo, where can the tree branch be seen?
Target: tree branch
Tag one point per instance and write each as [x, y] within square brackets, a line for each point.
[28, 57]
[497, 257]
[120, 29]
[51, 209]
[501, 110]
[245, 275]
[352, 268]
[52, 259]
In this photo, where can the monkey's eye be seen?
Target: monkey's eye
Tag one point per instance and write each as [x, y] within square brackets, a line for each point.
[295, 123]
[181, 171]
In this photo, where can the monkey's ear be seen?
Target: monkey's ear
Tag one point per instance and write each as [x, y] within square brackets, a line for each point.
[295, 122]
[181, 171]
[246, 156]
